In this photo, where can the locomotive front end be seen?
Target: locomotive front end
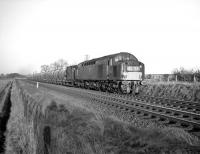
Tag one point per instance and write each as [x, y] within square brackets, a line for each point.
[132, 74]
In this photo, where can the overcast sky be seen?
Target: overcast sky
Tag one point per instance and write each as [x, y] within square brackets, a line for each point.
[162, 34]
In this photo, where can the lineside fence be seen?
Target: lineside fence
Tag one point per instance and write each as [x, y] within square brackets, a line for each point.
[173, 77]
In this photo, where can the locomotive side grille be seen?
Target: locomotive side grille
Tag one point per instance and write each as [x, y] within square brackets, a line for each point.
[100, 71]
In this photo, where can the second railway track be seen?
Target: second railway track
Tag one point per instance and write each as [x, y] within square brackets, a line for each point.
[172, 103]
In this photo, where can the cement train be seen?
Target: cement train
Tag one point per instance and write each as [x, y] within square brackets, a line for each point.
[121, 72]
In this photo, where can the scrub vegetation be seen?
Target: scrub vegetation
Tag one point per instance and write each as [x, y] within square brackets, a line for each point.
[174, 90]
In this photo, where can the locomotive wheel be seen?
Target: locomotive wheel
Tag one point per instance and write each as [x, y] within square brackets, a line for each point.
[101, 87]
[97, 87]
[136, 89]
[123, 89]
[86, 86]
[131, 91]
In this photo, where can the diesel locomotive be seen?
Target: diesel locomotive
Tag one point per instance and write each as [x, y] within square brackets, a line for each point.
[121, 72]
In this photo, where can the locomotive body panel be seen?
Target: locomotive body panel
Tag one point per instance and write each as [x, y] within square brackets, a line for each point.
[115, 72]
[112, 67]
[97, 71]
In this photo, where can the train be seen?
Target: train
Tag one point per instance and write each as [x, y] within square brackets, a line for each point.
[121, 72]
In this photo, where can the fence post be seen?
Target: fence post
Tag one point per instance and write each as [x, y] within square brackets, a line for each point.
[176, 78]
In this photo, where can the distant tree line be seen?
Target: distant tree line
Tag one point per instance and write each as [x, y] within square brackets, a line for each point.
[60, 64]
[183, 74]
[11, 75]
[2, 75]
[180, 74]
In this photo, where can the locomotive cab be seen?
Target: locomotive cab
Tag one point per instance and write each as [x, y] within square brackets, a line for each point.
[131, 72]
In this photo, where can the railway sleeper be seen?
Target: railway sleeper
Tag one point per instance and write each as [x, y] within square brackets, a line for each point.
[196, 119]
[163, 120]
[186, 116]
[186, 127]
[173, 123]
[147, 116]
[195, 129]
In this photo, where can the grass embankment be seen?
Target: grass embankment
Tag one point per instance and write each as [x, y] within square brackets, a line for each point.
[20, 136]
[39, 124]
[176, 90]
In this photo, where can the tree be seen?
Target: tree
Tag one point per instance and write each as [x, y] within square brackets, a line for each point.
[87, 57]
[2, 75]
[54, 66]
[60, 64]
[183, 74]
[45, 68]
[197, 74]
[175, 71]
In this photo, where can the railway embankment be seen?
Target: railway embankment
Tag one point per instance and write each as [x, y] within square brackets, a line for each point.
[174, 90]
[41, 122]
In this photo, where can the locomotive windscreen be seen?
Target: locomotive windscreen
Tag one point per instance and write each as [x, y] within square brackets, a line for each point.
[133, 68]
[124, 57]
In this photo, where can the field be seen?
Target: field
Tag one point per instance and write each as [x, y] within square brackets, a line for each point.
[43, 121]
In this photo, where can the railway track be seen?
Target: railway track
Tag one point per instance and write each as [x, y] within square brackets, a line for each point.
[182, 105]
[152, 109]
[188, 120]
[172, 103]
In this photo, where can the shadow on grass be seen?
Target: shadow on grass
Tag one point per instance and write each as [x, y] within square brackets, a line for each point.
[80, 132]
